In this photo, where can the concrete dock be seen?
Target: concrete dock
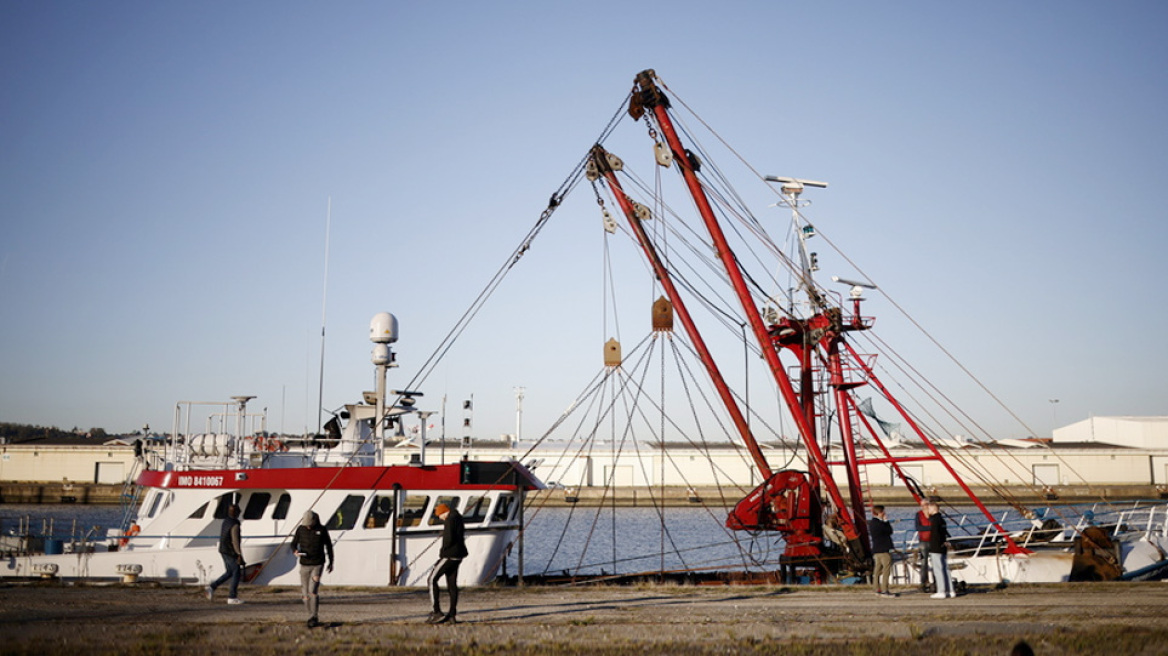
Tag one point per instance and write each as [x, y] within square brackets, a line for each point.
[1112, 618]
[641, 496]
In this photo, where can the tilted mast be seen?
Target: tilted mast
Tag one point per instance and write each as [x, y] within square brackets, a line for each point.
[605, 164]
[647, 96]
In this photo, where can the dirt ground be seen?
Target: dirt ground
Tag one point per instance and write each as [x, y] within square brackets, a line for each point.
[1112, 618]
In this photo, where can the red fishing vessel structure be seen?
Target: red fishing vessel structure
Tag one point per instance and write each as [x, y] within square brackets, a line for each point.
[824, 529]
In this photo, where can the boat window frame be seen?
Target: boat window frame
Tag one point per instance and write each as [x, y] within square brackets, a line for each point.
[450, 500]
[482, 509]
[249, 510]
[413, 509]
[504, 509]
[155, 504]
[224, 500]
[352, 505]
[377, 517]
[280, 511]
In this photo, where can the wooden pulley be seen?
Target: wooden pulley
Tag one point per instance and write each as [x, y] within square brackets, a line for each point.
[612, 353]
[662, 315]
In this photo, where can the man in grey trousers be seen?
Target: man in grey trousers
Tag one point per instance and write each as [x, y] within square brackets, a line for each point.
[313, 546]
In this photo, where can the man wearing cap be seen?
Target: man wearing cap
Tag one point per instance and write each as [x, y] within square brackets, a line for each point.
[313, 546]
[449, 558]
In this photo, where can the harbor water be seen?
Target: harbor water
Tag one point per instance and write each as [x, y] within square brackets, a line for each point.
[581, 541]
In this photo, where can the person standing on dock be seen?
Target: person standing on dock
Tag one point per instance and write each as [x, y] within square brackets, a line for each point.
[922, 524]
[449, 558]
[312, 544]
[881, 532]
[939, 552]
[231, 548]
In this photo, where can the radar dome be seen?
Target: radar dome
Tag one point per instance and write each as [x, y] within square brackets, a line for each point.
[383, 328]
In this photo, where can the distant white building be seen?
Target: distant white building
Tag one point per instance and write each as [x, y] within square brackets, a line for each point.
[1134, 432]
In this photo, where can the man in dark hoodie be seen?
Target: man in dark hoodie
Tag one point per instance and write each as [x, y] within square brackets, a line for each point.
[312, 544]
[449, 558]
[231, 548]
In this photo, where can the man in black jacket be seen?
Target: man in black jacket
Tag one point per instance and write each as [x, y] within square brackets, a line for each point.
[939, 552]
[449, 558]
[881, 533]
[231, 549]
[313, 545]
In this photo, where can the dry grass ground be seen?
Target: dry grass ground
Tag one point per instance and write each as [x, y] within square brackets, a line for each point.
[1114, 618]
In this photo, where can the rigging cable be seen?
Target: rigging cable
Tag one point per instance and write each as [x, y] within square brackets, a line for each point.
[554, 202]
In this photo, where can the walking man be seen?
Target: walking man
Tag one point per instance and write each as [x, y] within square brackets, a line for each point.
[312, 544]
[881, 532]
[231, 549]
[449, 558]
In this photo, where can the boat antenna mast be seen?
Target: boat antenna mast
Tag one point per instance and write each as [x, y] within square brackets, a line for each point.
[791, 189]
[328, 228]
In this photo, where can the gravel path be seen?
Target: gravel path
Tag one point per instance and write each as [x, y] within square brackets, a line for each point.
[1113, 618]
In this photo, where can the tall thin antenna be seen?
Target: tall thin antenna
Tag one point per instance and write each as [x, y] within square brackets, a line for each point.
[328, 227]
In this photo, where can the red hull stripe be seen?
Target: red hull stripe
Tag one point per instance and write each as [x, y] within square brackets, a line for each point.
[439, 477]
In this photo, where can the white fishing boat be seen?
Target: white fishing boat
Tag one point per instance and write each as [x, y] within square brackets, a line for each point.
[380, 516]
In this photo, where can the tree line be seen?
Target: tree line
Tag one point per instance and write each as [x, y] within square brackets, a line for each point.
[15, 433]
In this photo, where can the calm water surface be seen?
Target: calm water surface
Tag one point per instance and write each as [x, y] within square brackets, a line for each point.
[578, 540]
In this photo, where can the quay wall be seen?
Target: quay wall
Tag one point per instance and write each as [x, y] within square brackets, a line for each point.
[636, 497]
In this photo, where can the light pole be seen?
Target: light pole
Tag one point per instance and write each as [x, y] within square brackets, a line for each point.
[519, 414]
[1053, 416]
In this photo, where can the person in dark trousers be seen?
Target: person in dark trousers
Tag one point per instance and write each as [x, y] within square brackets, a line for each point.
[449, 558]
[922, 525]
[881, 533]
[231, 549]
[312, 544]
[939, 553]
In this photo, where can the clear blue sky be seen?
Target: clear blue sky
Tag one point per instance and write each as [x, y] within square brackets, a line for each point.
[165, 170]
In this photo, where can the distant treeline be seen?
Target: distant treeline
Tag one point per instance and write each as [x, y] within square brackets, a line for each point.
[14, 433]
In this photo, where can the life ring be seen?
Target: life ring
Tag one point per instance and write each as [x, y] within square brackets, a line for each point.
[130, 532]
[275, 445]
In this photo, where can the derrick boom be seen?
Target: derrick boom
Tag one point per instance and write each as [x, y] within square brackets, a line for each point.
[650, 101]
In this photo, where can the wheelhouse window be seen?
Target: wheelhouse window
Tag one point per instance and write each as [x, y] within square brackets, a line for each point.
[379, 511]
[413, 508]
[281, 511]
[503, 508]
[199, 512]
[155, 505]
[256, 504]
[476, 510]
[345, 517]
[450, 501]
[221, 507]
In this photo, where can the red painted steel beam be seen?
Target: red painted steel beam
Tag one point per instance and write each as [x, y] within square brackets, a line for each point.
[600, 159]
[651, 92]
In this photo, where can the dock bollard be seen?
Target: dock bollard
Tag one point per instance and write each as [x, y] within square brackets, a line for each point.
[129, 572]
